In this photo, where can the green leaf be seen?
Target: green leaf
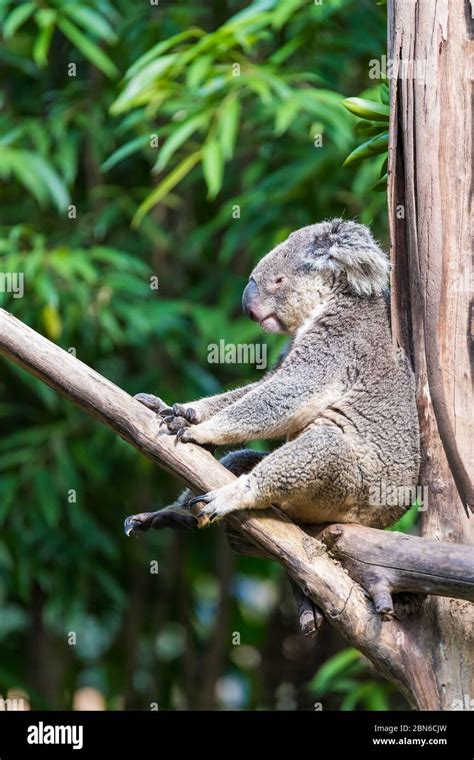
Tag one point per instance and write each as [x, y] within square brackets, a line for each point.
[161, 48]
[367, 109]
[92, 52]
[35, 173]
[342, 663]
[381, 184]
[213, 166]
[369, 128]
[125, 150]
[45, 17]
[286, 51]
[377, 697]
[357, 695]
[385, 94]
[252, 12]
[42, 45]
[286, 114]
[166, 186]
[372, 147]
[178, 137]
[407, 522]
[54, 184]
[17, 18]
[229, 125]
[285, 11]
[141, 83]
[261, 88]
[91, 21]
[198, 70]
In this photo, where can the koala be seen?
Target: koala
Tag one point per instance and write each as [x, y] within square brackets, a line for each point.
[341, 397]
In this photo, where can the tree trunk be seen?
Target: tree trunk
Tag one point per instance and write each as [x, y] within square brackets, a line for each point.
[430, 176]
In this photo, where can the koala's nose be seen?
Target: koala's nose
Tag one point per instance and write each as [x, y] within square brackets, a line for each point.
[249, 300]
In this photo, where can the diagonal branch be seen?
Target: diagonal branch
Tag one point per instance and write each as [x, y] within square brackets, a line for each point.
[392, 649]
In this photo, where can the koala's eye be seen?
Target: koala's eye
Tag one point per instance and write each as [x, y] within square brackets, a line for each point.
[280, 279]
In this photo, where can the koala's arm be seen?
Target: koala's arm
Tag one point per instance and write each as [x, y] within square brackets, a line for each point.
[281, 405]
[198, 411]
[205, 408]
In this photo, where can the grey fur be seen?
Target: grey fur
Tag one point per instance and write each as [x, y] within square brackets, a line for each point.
[342, 397]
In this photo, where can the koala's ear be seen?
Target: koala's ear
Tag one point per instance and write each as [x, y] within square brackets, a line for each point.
[365, 265]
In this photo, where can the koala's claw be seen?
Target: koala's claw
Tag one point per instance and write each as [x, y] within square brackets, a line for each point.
[182, 434]
[170, 420]
[188, 413]
[218, 504]
[134, 524]
[210, 512]
[202, 497]
[173, 424]
[214, 512]
[178, 410]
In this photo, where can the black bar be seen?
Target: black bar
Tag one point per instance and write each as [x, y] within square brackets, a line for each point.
[378, 734]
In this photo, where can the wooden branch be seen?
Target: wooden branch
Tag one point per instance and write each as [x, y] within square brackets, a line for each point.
[385, 563]
[310, 616]
[391, 649]
[388, 562]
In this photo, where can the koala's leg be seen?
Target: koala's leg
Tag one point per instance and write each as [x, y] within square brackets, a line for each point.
[178, 515]
[317, 468]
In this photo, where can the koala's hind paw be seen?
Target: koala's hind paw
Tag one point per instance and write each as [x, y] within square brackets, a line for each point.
[222, 501]
[214, 510]
[169, 517]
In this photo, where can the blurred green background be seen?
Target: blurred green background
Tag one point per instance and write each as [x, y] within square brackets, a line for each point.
[179, 141]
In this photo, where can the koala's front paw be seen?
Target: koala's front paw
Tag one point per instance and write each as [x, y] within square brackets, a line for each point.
[174, 424]
[223, 501]
[178, 410]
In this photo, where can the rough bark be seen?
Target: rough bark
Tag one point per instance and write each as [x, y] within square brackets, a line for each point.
[395, 648]
[430, 177]
[388, 562]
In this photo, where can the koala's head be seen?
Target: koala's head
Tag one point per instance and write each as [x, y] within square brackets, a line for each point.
[306, 271]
